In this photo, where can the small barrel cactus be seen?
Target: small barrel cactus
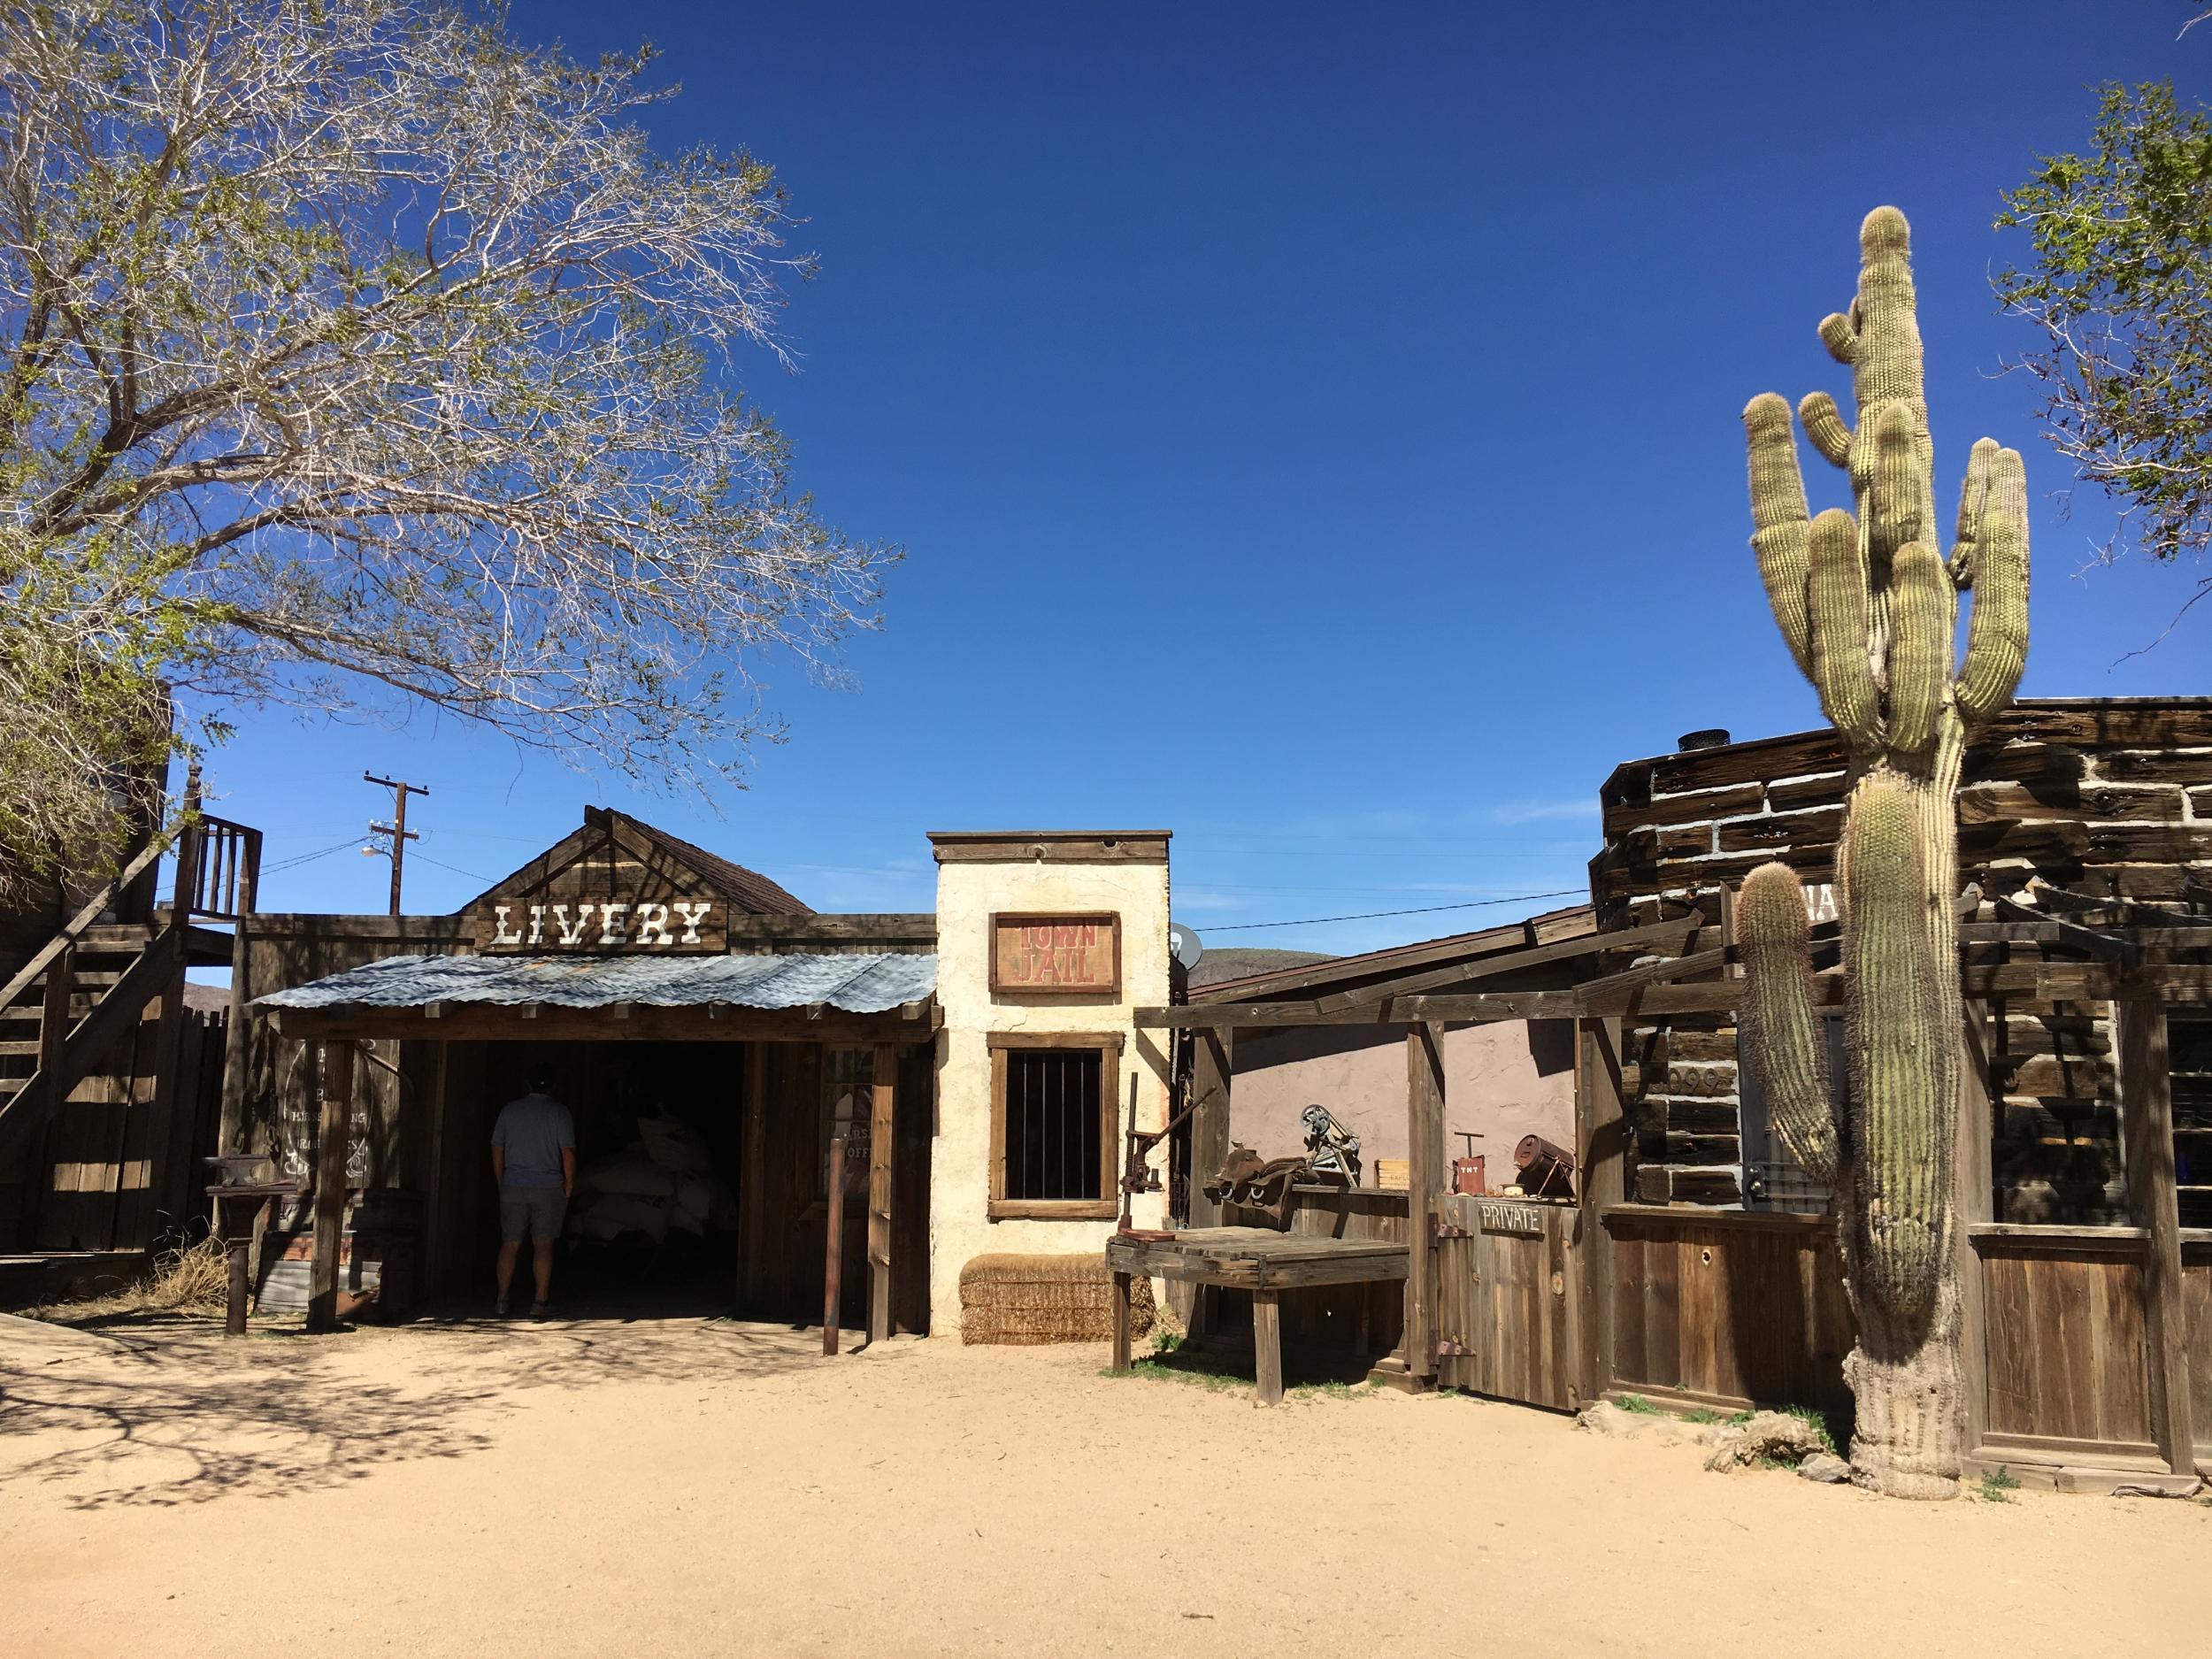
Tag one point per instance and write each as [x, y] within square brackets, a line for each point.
[1869, 608]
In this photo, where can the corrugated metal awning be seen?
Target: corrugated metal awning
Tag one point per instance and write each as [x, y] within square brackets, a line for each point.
[855, 984]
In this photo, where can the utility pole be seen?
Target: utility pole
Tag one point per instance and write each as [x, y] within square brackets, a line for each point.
[398, 828]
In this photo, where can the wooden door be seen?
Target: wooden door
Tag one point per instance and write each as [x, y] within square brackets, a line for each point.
[1508, 1300]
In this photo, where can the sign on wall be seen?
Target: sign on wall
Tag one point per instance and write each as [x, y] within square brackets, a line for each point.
[650, 928]
[1056, 955]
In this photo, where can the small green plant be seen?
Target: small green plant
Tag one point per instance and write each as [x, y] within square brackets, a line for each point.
[1999, 1485]
[1704, 1414]
[1166, 1341]
[1636, 1404]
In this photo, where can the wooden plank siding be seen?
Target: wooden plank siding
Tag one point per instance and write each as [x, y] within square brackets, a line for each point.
[1511, 1299]
[2196, 1301]
[1727, 1309]
[2065, 1344]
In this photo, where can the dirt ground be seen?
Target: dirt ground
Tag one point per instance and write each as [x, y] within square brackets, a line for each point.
[690, 1487]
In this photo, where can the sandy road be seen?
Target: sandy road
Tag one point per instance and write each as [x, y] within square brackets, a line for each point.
[681, 1487]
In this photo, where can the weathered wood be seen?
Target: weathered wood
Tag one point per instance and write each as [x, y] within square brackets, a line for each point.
[1976, 1191]
[89, 1041]
[1484, 1010]
[487, 1022]
[334, 1139]
[2146, 1128]
[1267, 1348]
[1121, 1323]
[1601, 1138]
[881, 1123]
[833, 1247]
[53, 1024]
[1424, 1182]
[1213, 1054]
[1657, 935]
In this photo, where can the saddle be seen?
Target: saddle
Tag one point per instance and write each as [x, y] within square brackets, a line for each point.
[1251, 1182]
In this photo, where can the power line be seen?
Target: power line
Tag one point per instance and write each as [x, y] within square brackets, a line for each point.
[1425, 909]
[309, 858]
[456, 869]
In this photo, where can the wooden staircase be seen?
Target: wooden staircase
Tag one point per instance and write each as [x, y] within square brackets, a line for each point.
[70, 1013]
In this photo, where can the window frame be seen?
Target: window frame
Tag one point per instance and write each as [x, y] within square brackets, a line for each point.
[1108, 1046]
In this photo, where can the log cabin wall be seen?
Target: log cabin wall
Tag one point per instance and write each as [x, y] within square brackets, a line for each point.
[2110, 797]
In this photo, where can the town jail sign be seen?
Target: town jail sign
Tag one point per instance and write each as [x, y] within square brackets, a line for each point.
[601, 926]
[1056, 955]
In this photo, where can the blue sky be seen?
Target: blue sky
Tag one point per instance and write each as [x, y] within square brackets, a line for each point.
[1312, 430]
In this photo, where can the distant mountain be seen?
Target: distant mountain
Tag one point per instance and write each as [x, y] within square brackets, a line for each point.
[1239, 961]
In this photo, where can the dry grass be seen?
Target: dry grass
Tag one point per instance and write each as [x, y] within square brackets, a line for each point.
[194, 1279]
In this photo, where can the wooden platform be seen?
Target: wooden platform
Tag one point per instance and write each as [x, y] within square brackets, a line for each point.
[1257, 1259]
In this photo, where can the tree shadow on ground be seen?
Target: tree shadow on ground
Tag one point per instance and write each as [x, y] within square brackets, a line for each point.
[163, 1411]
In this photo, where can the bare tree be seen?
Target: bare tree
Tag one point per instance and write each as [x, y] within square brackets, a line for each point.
[357, 356]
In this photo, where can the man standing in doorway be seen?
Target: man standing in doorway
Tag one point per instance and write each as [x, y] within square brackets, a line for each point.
[534, 1160]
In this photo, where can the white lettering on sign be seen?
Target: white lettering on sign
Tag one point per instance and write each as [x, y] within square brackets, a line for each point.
[611, 925]
[1820, 901]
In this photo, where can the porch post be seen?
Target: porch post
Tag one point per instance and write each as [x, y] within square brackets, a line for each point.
[880, 1150]
[330, 1185]
[1424, 1181]
[2146, 1139]
[1976, 1199]
[1601, 1128]
[1213, 1056]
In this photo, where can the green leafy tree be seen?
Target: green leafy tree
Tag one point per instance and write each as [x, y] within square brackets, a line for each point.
[2119, 284]
[354, 357]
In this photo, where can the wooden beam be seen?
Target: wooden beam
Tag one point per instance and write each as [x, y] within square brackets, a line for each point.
[1671, 935]
[1213, 1054]
[1424, 1181]
[882, 1092]
[1487, 1009]
[1602, 1133]
[335, 1130]
[1267, 1347]
[495, 1021]
[834, 1247]
[2103, 946]
[1976, 1197]
[2146, 1134]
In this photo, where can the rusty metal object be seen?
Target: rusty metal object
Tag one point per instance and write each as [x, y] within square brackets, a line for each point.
[1331, 1148]
[1545, 1168]
[1467, 1171]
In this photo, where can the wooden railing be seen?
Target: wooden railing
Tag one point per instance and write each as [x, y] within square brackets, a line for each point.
[218, 866]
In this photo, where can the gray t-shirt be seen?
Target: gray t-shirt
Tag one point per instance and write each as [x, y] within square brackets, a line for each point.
[533, 1132]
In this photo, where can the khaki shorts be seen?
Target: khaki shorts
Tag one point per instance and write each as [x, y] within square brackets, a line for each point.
[531, 1212]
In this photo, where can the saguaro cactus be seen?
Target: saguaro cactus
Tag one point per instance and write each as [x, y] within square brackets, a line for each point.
[1869, 609]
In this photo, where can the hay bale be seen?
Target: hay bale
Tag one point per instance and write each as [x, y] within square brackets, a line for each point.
[1021, 1301]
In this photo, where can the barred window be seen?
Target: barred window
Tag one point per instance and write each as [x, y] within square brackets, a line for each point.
[1055, 1124]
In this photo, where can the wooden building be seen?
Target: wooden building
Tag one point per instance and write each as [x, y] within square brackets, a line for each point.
[111, 1067]
[980, 1058]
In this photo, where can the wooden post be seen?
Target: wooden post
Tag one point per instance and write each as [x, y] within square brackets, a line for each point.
[1425, 1181]
[330, 1186]
[1213, 1054]
[881, 1117]
[1974, 1199]
[2146, 1136]
[1267, 1344]
[1121, 1322]
[1601, 1129]
[752, 1203]
[833, 1251]
[237, 1054]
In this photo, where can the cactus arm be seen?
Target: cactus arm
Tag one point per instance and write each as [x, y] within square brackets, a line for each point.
[1997, 637]
[1836, 599]
[1787, 1045]
[1817, 411]
[1781, 528]
[1973, 499]
[1840, 337]
[1922, 623]
[1886, 362]
[1895, 507]
[1902, 1161]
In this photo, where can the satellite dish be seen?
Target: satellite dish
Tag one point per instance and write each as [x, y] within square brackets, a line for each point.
[1184, 943]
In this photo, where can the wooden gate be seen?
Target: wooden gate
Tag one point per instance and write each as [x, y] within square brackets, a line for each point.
[1508, 1299]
